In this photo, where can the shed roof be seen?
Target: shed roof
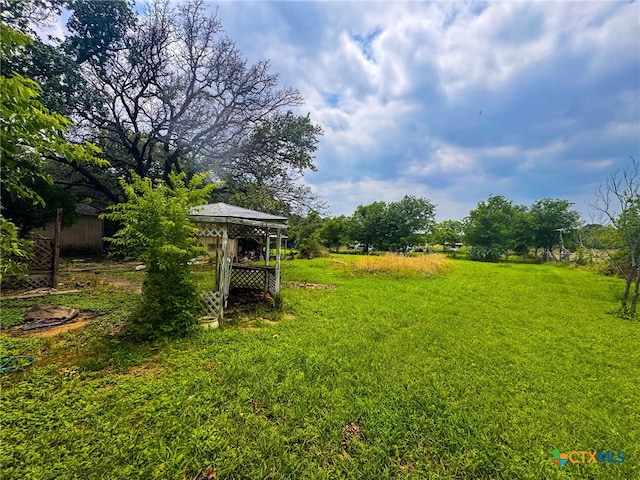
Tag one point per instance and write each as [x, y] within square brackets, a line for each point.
[225, 213]
[86, 210]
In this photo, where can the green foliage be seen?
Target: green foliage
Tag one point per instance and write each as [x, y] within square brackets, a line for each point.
[26, 215]
[97, 30]
[497, 226]
[170, 304]
[157, 231]
[29, 133]
[447, 231]
[14, 251]
[264, 172]
[488, 228]
[520, 233]
[618, 201]
[302, 228]
[481, 253]
[334, 232]
[309, 248]
[367, 223]
[549, 217]
[394, 225]
[252, 196]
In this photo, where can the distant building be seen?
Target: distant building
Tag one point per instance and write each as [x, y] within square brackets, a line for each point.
[83, 236]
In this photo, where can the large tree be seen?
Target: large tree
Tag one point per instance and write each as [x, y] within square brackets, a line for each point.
[178, 96]
[408, 220]
[264, 172]
[392, 226]
[368, 224]
[63, 90]
[488, 228]
[550, 219]
[447, 232]
[334, 232]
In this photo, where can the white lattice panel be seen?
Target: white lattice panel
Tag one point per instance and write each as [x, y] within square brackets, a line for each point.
[272, 283]
[212, 303]
[31, 281]
[210, 230]
[246, 278]
[246, 231]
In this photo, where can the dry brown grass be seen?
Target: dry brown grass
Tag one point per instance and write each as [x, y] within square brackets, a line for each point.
[400, 265]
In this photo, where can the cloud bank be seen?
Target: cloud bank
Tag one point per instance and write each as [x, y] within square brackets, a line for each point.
[456, 101]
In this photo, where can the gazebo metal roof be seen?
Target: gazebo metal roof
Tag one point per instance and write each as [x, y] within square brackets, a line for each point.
[225, 213]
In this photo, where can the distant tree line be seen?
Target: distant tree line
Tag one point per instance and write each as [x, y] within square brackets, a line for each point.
[494, 228]
[498, 226]
[390, 226]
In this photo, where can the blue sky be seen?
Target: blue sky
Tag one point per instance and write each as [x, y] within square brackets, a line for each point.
[455, 101]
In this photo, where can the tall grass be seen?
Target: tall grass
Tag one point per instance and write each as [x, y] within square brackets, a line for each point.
[399, 265]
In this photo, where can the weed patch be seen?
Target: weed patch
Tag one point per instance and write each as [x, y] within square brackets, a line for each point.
[398, 265]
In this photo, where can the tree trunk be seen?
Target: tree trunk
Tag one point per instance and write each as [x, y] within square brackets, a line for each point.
[628, 280]
[636, 291]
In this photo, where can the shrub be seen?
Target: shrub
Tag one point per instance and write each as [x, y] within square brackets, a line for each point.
[157, 231]
[310, 248]
[485, 254]
[15, 251]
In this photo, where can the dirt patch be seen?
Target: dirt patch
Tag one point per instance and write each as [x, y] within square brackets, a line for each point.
[208, 473]
[82, 319]
[319, 286]
[350, 433]
[266, 321]
[150, 368]
[122, 283]
[38, 292]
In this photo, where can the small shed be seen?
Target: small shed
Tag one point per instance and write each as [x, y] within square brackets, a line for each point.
[83, 236]
[232, 235]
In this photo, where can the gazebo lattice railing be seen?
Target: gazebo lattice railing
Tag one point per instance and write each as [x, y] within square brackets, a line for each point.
[218, 224]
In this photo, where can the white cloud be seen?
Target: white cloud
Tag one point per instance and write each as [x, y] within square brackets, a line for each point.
[398, 88]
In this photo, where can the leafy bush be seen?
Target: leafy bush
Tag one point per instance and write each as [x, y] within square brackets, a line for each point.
[157, 231]
[310, 248]
[486, 254]
[15, 251]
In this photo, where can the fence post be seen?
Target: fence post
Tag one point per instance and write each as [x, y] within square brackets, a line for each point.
[56, 248]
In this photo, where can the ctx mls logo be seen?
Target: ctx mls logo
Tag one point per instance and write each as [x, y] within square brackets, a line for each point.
[586, 456]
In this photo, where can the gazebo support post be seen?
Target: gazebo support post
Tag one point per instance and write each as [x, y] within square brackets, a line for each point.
[278, 244]
[268, 249]
[225, 267]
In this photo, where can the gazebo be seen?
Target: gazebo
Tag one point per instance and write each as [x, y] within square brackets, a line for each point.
[231, 235]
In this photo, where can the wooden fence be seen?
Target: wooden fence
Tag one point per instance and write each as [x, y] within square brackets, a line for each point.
[42, 270]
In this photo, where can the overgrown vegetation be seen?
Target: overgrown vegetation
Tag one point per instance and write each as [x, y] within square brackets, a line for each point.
[480, 373]
[399, 265]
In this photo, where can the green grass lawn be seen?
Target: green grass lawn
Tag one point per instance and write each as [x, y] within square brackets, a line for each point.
[480, 373]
